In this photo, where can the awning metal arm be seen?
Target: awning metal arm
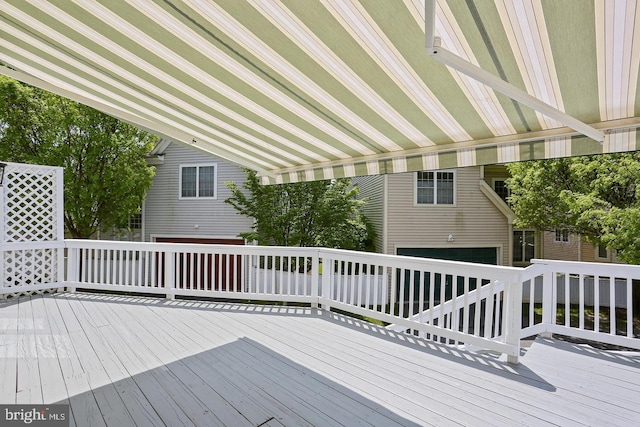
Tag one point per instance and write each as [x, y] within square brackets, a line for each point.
[436, 51]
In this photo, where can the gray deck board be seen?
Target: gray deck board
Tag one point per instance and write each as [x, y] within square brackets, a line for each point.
[147, 362]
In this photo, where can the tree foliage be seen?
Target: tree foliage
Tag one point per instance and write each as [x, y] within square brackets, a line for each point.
[105, 174]
[320, 213]
[595, 196]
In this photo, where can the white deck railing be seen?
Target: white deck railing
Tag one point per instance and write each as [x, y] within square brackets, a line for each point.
[483, 306]
[382, 287]
[590, 301]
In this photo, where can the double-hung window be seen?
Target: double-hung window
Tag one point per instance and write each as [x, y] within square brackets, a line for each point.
[562, 235]
[198, 181]
[435, 188]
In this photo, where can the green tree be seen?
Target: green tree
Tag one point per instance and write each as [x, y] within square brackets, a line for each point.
[105, 173]
[320, 213]
[595, 196]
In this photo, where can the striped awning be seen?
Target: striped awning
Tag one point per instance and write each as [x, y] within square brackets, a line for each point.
[314, 89]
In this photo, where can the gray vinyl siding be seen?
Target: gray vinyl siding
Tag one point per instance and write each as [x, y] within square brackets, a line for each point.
[167, 215]
[372, 188]
[474, 221]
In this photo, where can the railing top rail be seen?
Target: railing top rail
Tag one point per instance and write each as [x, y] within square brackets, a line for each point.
[588, 268]
[31, 166]
[511, 274]
[451, 267]
[190, 247]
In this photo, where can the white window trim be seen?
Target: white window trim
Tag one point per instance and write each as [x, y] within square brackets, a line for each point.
[198, 166]
[432, 205]
[555, 237]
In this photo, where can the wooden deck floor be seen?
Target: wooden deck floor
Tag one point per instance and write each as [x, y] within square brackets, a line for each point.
[124, 361]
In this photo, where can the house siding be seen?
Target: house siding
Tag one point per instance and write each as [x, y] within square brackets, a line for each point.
[567, 251]
[372, 188]
[168, 215]
[474, 221]
[495, 172]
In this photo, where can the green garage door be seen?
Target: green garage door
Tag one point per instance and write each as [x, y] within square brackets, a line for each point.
[479, 255]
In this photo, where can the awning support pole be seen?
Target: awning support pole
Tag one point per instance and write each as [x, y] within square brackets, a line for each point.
[457, 63]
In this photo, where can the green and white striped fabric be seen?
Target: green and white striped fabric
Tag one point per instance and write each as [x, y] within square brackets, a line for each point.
[314, 89]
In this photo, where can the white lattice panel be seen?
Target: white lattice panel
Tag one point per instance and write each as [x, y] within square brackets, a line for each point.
[31, 208]
[30, 204]
[30, 267]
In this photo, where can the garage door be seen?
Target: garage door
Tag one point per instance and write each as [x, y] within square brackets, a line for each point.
[220, 272]
[478, 255]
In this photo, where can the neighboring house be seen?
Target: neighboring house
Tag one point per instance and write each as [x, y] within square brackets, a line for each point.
[186, 201]
[561, 245]
[448, 214]
[461, 215]
[558, 244]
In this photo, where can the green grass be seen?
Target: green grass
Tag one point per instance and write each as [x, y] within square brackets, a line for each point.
[604, 318]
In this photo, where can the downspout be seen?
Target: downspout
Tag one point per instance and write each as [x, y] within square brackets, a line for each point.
[437, 52]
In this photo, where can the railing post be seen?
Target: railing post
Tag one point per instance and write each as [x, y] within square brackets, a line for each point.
[548, 290]
[72, 268]
[60, 267]
[169, 275]
[327, 268]
[514, 316]
[315, 286]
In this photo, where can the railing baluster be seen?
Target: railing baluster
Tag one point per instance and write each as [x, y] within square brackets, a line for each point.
[100, 268]
[145, 271]
[612, 305]
[432, 286]
[341, 287]
[465, 312]
[120, 269]
[532, 301]
[127, 267]
[443, 298]
[368, 287]
[454, 297]
[421, 297]
[629, 308]
[354, 278]
[219, 269]
[394, 290]
[488, 312]
[596, 303]
[401, 293]
[375, 288]
[477, 309]
[567, 299]
[384, 280]
[581, 301]
[360, 281]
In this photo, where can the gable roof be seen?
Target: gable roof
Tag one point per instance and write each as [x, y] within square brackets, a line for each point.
[302, 90]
